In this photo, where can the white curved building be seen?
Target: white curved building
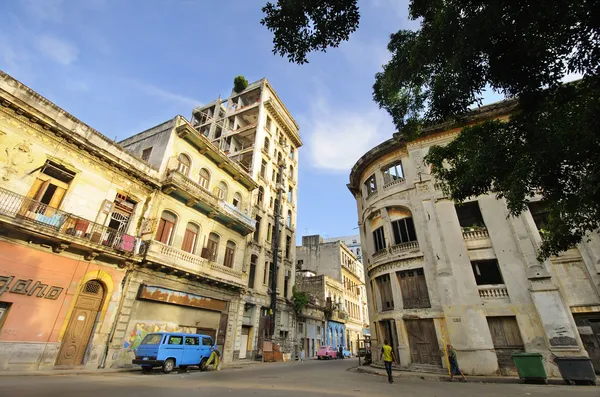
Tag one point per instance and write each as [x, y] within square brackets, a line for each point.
[438, 273]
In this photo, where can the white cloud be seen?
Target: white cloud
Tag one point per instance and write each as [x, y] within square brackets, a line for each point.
[58, 50]
[339, 137]
[45, 10]
[166, 95]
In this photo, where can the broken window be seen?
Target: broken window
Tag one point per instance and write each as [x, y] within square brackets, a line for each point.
[469, 215]
[379, 239]
[146, 153]
[393, 173]
[487, 272]
[385, 292]
[371, 184]
[539, 212]
[404, 231]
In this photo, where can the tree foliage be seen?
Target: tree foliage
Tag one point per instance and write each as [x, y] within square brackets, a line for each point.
[523, 49]
[303, 26]
[239, 84]
[300, 300]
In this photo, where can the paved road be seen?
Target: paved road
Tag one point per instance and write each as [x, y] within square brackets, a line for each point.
[309, 378]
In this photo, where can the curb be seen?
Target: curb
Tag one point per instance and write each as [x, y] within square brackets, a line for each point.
[67, 372]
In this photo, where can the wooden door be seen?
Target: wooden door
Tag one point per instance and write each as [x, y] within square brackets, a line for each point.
[506, 338]
[424, 347]
[414, 289]
[81, 324]
[589, 330]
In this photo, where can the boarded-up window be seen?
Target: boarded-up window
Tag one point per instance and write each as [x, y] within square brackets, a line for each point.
[414, 289]
[506, 338]
[166, 226]
[190, 237]
[229, 254]
[385, 291]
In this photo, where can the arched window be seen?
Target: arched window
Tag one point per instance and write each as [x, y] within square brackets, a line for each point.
[289, 219]
[252, 273]
[204, 178]
[184, 164]
[166, 227]
[190, 237]
[261, 195]
[212, 247]
[229, 254]
[221, 191]
[291, 175]
[267, 145]
[279, 158]
[237, 200]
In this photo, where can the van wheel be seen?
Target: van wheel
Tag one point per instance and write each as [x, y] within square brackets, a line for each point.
[203, 364]
[168, 365]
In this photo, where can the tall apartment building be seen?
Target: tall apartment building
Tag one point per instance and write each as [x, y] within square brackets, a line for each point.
[254, 129]
[352, 242]
[335, 260]
[467, 274]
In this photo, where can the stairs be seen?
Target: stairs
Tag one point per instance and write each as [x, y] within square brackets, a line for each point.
[428, 368]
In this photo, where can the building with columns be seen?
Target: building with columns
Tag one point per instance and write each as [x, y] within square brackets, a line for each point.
[439, 272]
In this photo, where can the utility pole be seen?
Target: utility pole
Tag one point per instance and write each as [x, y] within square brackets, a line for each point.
[276, 239]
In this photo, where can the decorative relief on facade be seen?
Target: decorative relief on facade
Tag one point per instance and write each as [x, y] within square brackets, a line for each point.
[15, 157]
[375, 270]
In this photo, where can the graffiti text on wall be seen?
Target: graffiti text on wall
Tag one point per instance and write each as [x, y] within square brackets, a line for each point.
[25, 287]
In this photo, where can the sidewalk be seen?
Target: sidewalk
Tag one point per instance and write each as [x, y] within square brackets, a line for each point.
[376, 369]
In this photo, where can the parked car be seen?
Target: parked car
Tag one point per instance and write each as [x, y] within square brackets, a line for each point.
[170, 350]
[326, 353]
[347, 353]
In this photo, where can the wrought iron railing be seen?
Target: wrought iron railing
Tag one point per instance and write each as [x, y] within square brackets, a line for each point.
[36, 213]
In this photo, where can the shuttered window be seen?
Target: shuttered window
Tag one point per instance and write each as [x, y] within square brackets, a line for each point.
[414, 289]
[189, 238]
[229, 254]
[166, 226]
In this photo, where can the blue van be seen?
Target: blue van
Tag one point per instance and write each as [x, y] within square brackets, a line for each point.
[173, 349]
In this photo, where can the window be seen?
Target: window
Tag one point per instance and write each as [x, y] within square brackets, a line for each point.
[175, 340]
[267, 145]
[213, 246]
[229, 254]
[289, 219]
[207, 342]
[4, 307]
[260, 196]
[166, 227]
[404, 231]
[301, 328]
[379, 239]
[274, 176]
[252, 273]
[539, 212]
[190, 237]
[288, 246]
[204, 178]
[265, 273]
[292, 153]
[371, 185]
[256, 235]
[414, 289]
[146, 153]
[50, 186]
[270, 274]
[385, 291]
[268, 124]
[300, 263]
[184, 164]
[263, 169]
[151, 339]
[192, 341]
[271, 203]
[269, 231]
[279, 158]
[487, 272]
[237, 200]
[222, 191]
[290, 195]
[469, 215]
[393, 173]
[291, 175]
[286, 284]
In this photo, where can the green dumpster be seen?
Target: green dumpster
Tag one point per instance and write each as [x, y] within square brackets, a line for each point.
[530, 367]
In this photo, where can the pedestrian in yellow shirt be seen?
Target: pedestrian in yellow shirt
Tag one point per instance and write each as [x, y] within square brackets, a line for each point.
[387, 353]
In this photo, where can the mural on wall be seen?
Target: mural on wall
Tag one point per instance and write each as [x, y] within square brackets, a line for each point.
[180, 298]
[141, 329]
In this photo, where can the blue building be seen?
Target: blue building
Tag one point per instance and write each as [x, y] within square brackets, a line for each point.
[336, 334]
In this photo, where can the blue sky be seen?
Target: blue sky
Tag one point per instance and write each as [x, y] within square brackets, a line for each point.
[122, 66]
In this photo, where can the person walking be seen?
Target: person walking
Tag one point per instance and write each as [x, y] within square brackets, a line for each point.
[214, 357]
[387, 353]
[341, 352]
[454, 368]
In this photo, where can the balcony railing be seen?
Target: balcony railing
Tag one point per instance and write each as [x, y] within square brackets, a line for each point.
[493, 291]
[372, 195]
[475, 234]
[394, 183]
[382, 252]
[197, 190]
[64, 223]
[411, 245]
[235, 211]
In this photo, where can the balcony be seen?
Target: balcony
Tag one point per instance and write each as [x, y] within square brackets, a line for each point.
[187, 264]
[380, 254]
[394, 182]
[194, 195]
[475, 234]
[493, 292]
[476, 238]
[65, 227]
[402, 247]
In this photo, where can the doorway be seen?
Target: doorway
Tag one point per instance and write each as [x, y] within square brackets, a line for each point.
[244, 342]
[388, 331]
[79, 330]
[507, 341]
[424, 347]
[589, 330]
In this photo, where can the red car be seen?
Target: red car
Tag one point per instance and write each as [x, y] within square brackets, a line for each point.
[326, 353]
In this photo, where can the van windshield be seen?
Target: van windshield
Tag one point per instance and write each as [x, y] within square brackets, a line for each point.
[152, 339]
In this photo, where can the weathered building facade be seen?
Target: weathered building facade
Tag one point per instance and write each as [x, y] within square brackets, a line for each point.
[254, 129]
[335, 260]
[441, 273]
